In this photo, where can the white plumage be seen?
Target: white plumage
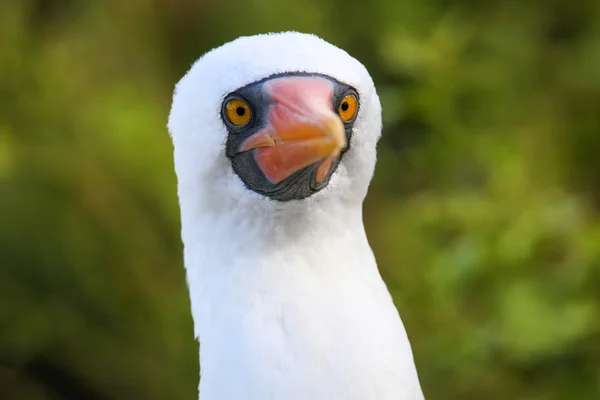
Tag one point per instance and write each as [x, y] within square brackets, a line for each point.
[286, 296]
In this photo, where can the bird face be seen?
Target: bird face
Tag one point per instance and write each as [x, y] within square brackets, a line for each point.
[274, 122]
[287, 133]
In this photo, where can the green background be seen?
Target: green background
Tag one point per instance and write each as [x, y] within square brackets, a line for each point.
[484, 212]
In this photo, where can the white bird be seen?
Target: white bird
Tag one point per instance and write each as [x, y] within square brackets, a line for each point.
[275, 146]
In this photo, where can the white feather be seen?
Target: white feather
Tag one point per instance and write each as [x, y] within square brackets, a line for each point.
[286, 297]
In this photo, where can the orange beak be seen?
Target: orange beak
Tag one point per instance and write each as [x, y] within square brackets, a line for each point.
[302, 129]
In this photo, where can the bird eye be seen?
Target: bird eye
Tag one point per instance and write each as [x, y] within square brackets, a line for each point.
[348, 107]
[237, 112]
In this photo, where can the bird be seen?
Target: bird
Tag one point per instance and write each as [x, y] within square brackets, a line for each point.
[274, 145]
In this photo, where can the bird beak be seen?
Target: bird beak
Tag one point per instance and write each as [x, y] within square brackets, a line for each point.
[302, 129]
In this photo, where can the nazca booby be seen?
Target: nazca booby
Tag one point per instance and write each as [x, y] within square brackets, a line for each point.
[274, 147]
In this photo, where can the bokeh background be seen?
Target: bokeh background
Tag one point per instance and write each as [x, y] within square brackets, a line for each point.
[484, 212]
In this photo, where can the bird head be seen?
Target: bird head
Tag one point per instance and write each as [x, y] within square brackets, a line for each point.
[276, 119]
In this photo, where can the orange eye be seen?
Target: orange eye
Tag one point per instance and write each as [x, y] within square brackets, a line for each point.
[237, 112]
[348, 107]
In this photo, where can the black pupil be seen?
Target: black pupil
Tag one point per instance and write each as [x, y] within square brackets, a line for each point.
[345, 106]
[240, 111]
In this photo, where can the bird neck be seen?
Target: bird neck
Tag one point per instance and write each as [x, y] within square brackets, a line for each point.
[258, 229]
[285, 300]
[245, 252]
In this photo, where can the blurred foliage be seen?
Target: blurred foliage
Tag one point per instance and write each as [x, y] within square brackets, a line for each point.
[483, 214]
